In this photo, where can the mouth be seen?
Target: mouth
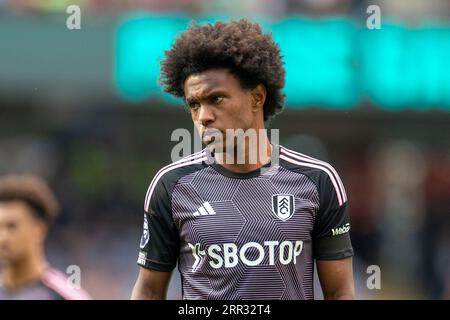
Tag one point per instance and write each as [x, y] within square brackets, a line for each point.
[211, 136]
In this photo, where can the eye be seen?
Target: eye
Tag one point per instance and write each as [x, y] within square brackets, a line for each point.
[11, 226]
[216, 99]
[193, 105]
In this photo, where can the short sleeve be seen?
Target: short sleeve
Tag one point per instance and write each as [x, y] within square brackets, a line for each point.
[159, 246]
[331, 237]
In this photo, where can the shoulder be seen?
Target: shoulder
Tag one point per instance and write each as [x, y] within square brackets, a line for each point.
[57, 282]
[320, 172]
[167, 176]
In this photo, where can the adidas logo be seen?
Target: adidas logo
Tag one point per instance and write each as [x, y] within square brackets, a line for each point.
[204, 210]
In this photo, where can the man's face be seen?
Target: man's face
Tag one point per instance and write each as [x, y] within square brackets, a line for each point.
[20, 231]
[217, 100]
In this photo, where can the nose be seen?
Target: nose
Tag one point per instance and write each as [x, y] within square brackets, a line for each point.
[205, 115]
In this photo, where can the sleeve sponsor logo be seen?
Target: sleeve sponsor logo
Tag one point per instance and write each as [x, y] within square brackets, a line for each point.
[341, 230]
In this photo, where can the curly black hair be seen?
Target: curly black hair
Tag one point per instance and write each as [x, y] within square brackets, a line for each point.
[239, 46]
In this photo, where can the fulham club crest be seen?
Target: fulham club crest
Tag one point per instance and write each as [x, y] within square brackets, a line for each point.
[283, 206]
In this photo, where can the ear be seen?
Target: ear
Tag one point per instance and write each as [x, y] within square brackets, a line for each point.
[41, 230]
[258, 97]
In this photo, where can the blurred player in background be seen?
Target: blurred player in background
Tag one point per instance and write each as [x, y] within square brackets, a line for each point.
[27, 209]
[238, 232]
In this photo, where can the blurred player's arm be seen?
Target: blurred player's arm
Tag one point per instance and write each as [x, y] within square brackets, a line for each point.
[336, 279]
[151, 285]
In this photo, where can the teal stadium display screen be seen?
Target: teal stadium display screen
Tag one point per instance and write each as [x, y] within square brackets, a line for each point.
[332, 63]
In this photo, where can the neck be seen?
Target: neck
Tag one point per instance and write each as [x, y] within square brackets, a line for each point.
[20, 273]
[247, 155]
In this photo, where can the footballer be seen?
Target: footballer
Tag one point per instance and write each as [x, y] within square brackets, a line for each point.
[27, 208]
[240, 229]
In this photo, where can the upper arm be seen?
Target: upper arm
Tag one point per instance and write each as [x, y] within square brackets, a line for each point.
[159, 246]
[336, 278]
[331, 237]
[332, 245]
[151, 284]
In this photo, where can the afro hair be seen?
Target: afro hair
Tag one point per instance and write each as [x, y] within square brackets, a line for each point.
[239, 46]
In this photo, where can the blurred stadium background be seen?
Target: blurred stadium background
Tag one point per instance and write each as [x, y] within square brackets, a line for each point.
[82, 109]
